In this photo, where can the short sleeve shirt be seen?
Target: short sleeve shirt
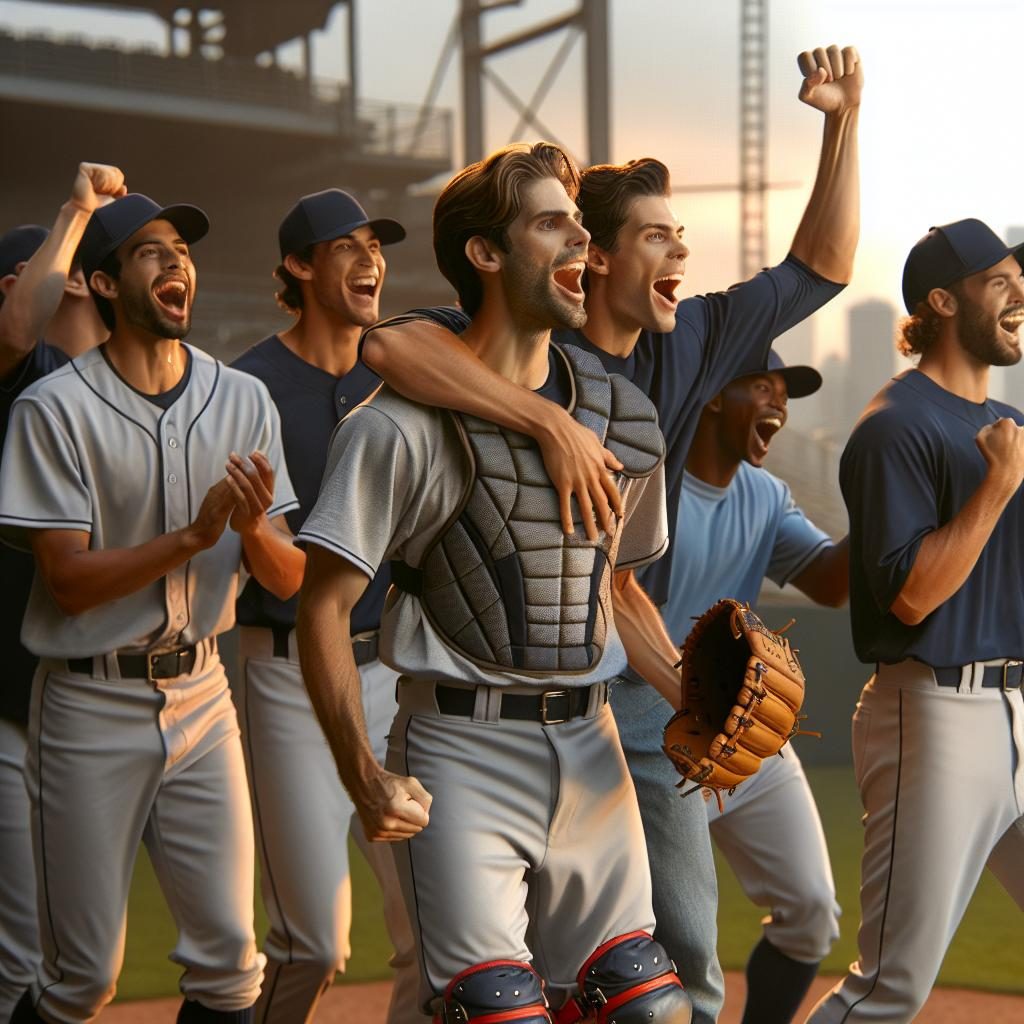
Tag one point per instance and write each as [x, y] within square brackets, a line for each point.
[395, 473]
[909, 467]
[87, 452]
[17, 567]
[717, 337]
[730, 538]
[311, 402]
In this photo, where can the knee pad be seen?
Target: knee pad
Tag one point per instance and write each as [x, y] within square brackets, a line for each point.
[502, 990]
[629, 980]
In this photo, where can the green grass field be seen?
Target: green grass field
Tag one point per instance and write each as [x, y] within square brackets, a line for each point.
[985, 953]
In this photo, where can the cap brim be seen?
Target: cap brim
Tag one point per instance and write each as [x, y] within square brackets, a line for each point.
[387, 231]
[801, 381]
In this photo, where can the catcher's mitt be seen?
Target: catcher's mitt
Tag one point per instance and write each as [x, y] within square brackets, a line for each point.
[742, 690]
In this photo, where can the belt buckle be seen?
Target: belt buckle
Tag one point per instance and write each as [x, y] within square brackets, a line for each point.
[544, 698]
[1011, 663]
[153, 659]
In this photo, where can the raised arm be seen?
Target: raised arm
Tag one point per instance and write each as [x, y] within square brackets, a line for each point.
[36, 294]
[826, 238]
[649, 648]
[430, 365]
[391, 807]
[947, 555]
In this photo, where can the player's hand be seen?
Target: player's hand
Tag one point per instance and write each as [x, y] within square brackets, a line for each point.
[394, 808]
[96, 185]
[1002, 445]
[833, 78]
[579, 466]
[212, 517]
[251, 482]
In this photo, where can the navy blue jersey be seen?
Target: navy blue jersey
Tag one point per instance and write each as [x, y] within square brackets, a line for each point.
[311, 403]
[909, 467]
[16, 567]
[717, 337]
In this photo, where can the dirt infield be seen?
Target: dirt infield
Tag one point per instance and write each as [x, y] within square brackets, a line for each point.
[366, 1004]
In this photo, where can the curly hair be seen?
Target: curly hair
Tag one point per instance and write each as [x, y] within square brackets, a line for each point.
[607, 190]
[289, 298]
[484, 200]
[916, 333]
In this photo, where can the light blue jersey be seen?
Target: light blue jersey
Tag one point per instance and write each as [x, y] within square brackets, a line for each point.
[728, 539]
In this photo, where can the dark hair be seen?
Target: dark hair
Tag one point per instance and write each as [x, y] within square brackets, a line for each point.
[289, 298]
[111, 266]
[484, 200]
[916, 333]
[607, 190]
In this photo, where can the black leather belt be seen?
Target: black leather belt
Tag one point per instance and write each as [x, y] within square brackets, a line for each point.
[166, 665]
[549, 707]
[364, 648]
[1001, 677]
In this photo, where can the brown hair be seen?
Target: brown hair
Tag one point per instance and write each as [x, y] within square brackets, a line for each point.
[484, 200]
[607, 190]
[916, 333]
[289, 298]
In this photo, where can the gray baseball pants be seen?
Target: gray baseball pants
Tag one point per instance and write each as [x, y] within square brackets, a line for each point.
[941, 776]
[303, 820]
[534, 851]
[112, 762]
[19, 931]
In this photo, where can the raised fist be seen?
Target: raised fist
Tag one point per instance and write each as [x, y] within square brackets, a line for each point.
[833, 78]
[96, 185]
[1002, 445]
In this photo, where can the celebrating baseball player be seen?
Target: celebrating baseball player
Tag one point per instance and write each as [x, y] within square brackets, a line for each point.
[36, 298]
[524, 853]
[741, 526]
[931, 478]
[332, 272]
[144, 475]
[681, 354]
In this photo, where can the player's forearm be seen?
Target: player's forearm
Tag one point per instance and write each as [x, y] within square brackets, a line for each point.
[80, 579]
[827, 579]
[947, 556]
[826, 239]
[335, 691]
[649, 648]
[272, 558]
[36, 294]
[428, 364]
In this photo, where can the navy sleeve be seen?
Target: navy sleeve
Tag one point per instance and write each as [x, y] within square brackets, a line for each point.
[887, 475]
[449, 317]
[735, 328]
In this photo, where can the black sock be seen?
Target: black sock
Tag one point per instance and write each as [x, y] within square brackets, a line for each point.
[192, 1012]
[776, 985]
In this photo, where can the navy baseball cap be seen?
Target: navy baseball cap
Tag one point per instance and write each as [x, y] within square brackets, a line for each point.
[949, 253]
[801, 381]
[19, 245]
[116, 222]
[330, 214]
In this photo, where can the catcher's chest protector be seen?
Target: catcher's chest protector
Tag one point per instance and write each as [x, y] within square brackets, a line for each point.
[502, 584]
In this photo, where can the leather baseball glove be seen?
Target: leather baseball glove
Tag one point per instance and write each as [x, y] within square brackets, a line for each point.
[742, 691]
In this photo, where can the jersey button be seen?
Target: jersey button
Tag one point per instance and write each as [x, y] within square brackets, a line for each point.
[173, 442]
[343, 400]
[172, 478]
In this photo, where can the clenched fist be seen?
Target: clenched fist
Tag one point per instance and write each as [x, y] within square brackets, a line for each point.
[1002, 445]
[833, 78]
[96, 185]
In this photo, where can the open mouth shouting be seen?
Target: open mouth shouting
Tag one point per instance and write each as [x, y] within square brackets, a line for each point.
[365, 285]
[568, 279]
[171, 295]
[1012, 319]
[665, 290]
[764, 430]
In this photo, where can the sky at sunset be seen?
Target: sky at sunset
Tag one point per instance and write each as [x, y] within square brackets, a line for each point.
[941, 136]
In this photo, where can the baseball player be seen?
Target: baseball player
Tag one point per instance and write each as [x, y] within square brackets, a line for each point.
[742, 525]
[332, 271]
[681, 354]
[71, 324]
[114, 472]
[521, 853]
[931, 478]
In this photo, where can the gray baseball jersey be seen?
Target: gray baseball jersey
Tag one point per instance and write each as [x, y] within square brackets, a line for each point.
[395, 474]
[86, 451]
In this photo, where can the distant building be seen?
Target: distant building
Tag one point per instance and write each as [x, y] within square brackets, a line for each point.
[871, 355]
